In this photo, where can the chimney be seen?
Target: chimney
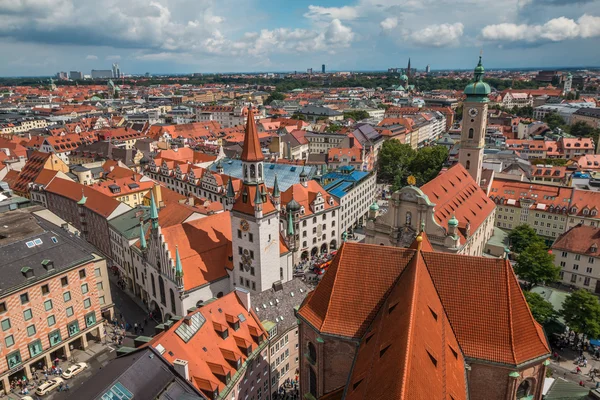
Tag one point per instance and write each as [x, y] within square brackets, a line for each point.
[187, 320]
[244, 296]
[181, 366]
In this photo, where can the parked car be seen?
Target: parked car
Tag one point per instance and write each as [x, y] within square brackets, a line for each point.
[48, 386]
[73, 370]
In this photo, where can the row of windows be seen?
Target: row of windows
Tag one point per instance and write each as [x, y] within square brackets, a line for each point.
[28, 314]
[14, 358]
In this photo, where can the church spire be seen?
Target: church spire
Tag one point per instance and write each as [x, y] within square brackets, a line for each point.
[251, 151]
[276, 192]
[153, 211]
[178, 266]
[143, 243]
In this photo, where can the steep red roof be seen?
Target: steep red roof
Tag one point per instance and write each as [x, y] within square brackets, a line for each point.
[95, 201]
[251, 150]
[580, 239]
[480, 296]
[32, 168]
[455, 193]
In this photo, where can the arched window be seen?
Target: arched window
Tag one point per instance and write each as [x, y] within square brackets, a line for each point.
[153, 285]
[523, 389]
[172, 295]
[471, 132]
[408, 218]
[312, 382]
[161, 288]
[468, 165]
[245, 171]
[260, 171]
[252, 171]
[312, 353]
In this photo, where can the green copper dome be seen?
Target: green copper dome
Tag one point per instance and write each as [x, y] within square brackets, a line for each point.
[453, 221]
[374, 207]
[293, 205]
[403, 77]
[478, 90]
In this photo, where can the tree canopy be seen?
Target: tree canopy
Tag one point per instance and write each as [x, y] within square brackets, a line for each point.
[542, 310]
[553, 120]
[397, 161]
[356, 115]
[521, 237]
[581, 312]
[274, 96]
[535, 265]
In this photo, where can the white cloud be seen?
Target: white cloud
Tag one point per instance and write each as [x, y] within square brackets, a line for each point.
[91, 57]
[555, 30]
[442, 35]
[341, 13]
[113, 57]
[389, 23]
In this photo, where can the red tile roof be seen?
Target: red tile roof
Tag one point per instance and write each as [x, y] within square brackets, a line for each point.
[481, 297]
[29, 173]
[96, 201]
[580, 239]
[455, 193]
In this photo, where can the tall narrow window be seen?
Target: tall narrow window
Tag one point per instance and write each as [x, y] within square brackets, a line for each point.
[468, 165]
[471, 133]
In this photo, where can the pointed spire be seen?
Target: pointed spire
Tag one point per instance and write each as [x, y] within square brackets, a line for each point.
[290, 227]
[230, 191]
[276, 192]
[258, 197]
[143, 243]
[83, 198]
[153, 211]
[251, 150]
[178, 267]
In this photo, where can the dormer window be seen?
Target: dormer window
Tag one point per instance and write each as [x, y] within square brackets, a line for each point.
[586, 211]
[236, 325]
[574, 210]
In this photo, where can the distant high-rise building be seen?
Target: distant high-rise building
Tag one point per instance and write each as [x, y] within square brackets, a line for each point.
[309, 71]
[75, 75]
[101, 73]
[116, 71]
[61, 75]
[427, 69]
[323, 68]
[568, 83]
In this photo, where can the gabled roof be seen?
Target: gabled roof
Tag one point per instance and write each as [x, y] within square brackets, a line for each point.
[31, 170]
[480, 296]
[580, 239]
[96, 201]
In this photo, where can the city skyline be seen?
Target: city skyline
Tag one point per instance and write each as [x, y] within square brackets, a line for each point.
[173, 37]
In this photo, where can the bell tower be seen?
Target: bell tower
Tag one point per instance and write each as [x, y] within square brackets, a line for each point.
[474, 124]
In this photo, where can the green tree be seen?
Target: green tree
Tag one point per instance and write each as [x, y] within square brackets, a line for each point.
[535, 265]
[542, 310]
[333, 128]
[301, 117]
[394, 161]
[356, 115]
[553, 120]
[581, 311]
[274, 96]
[521, 237]
[427, 163]
[559, 162]
[459, 112]
[383, 106]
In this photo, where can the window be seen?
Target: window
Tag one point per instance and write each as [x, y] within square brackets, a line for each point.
[5, 324]
[564, 254]
[99, 286]
[90, 319]
[523, 390]
[87, 303]
[575, 267]
[54, 337]
[101, 300]
[2, 307]
[251, 237]
[471, 131]
[239, 234]
[27, 314]
[586, 282]
[31, 330]
[84, 288]
[64, 281]
[51, 320]
[577, 257]
[588, 270]
[67, 296]
[35, 348]
[45, 289]
[9, 340]
[312, 353]
[13, 359]
[563, 264]
[73, 328]
[82, 273]
[97, 272]
[24, 298]
[69, 311]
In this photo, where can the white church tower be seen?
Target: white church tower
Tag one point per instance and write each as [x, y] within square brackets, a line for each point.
[254, 222]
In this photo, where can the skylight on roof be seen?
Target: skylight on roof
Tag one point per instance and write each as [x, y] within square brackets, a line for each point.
[38, 242]
[54, 240]
[30, 244]
[242, 317]
[186, 332]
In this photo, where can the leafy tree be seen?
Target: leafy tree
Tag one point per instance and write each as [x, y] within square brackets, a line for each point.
[428, 162]
[581, 311]
[521, 237]
[555, 121]
[333, 128]
[535, 265]
[301, 117]
[274, 96]
[356, 115]
[542, 310]
[383, 106]
[459, 112]
[559, 162]
[394, 161]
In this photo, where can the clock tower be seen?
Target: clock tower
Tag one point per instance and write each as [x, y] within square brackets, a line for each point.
[474, 124]
[254, 222]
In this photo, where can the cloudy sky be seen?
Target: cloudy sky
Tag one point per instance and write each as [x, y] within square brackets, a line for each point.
[41, 37]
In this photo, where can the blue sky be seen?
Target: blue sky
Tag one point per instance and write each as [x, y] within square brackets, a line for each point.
[41, 37]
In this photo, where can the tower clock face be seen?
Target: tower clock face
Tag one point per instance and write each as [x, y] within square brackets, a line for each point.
[473, 112]
[244, 225]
